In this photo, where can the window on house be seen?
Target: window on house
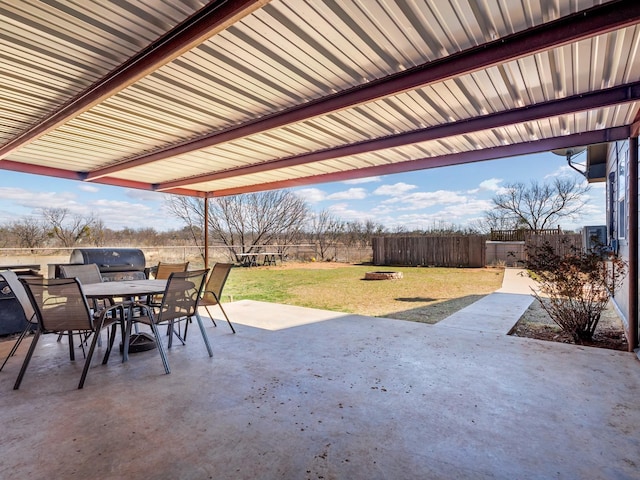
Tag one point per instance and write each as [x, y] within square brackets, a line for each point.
[622, 193]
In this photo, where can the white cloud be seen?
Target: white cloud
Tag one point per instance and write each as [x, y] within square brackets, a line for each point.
[357, 181]
[342, 211]
[351, 194]
[394, 190]
[419, 200]
[491, 184]
[463, 210]
[85, 187]
[311, 195]
[564, 171]
[145, 195]
[37, 200]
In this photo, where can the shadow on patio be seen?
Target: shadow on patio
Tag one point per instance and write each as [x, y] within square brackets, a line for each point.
[301, 393]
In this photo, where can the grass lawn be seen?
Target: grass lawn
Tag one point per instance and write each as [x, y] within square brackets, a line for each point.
[424, 294]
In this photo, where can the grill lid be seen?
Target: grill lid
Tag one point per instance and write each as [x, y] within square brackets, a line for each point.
[110, 259]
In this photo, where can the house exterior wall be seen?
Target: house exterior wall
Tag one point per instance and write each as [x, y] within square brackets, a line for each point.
[617, 215]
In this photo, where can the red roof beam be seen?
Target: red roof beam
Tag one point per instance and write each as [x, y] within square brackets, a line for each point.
[543, 145]
[597, 99]
[10, 165]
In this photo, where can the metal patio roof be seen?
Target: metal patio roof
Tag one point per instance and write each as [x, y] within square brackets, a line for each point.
[224, 97]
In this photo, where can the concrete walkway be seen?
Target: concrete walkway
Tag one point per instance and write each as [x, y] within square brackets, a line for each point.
[498, 312]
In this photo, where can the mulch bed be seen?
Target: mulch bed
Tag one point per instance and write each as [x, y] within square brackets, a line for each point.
[536, 323]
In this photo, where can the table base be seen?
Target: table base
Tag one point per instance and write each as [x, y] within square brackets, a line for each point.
[140, 342]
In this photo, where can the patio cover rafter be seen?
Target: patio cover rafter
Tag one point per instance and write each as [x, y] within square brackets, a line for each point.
[542, 145]
[596, 99]
[214, 17]
[585, 24]
[12, 166]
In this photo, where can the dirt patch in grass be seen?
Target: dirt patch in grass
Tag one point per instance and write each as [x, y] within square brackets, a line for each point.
[536, 323]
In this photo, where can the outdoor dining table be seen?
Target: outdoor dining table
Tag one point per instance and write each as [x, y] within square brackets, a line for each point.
[125, 289]
[251, 259]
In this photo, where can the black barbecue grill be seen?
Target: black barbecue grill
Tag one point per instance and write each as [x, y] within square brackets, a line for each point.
[115, 264]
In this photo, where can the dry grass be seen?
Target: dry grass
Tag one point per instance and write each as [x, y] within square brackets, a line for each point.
[424, 294]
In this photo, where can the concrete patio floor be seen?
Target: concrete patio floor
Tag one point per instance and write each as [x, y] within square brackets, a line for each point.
[299, 393]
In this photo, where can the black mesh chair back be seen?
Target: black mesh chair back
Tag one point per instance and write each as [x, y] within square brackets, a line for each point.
[162, 272]
[163, 269]
[213, 290]
[179, 302]
[60, 306]
[88, 273]
[181, 297]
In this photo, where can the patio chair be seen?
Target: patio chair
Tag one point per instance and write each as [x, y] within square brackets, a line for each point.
[163, 270]
[29, 313]
[213, 291]
[60, 306]
[86, 274]
[179, 302]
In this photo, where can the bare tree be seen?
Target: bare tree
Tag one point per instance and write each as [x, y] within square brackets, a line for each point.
[244, 223]
[325, 231]
[29, 232]
[191, 211]
[98, 233]
[538, 206]
[67, 228]
[495, 220]
[359, 233]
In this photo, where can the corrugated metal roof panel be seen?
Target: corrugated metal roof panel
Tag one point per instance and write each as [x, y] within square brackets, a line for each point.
[290, 53]
[450, 145]
[49, 52]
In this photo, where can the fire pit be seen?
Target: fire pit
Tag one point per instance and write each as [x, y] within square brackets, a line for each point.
[383, 275]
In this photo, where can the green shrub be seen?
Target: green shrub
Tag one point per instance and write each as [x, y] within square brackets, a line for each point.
[578, 285]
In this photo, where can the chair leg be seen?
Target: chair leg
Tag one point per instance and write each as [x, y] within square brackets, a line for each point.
[186, 329]
[112, 338]
[225, 316]
[163, 354]
[16, 345]
[87, 362]
[204, 334]
[178, 332]
[27, 359]
[210, 316]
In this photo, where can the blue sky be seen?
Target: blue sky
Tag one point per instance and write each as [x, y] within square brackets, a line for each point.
[454, 195]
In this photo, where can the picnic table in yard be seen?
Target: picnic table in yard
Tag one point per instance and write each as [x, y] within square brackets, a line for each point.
[251, 259]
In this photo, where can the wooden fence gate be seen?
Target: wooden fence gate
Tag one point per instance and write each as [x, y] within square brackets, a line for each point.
[562, 243]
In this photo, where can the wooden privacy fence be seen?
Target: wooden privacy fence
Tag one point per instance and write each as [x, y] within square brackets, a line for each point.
[519, 234]
[439, 251]
[562, 243]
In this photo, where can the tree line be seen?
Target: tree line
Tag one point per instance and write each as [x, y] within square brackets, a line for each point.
[280, 218]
